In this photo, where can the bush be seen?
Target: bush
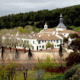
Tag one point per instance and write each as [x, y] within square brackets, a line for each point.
[73, 58]
[8, 72]
[3, 74]
[76, 76]
[73, 35]
[70, 72]
[47, 63]
[49, 45]
[65, 40]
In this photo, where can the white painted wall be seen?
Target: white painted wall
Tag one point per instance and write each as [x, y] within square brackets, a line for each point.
[65, 34]
[42, 43]
[60, 29]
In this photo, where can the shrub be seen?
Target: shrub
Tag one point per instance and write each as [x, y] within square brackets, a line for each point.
[73, 58]
[47, 63]
[3, 74]
[73, 35]
[11, 70]
[65, 40]
[49, 45]
[76, 76]
[70, 72]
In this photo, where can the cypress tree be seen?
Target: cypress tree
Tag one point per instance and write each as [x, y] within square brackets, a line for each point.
[60, 53]
[29, 53]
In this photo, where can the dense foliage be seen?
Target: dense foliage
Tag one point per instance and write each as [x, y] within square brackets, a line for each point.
[49, 62]
[8, 72]
[65, 40]
[70, 72]
[73, 58]
[76, 76]
[49, 45]
[73, 35]
[71, 16]
[76, 45]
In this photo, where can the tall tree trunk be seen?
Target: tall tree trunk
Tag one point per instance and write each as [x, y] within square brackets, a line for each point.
[17, 54]
[10, 49]
[2, 52]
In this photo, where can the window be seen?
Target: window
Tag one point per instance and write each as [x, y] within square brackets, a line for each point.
[57, 41]
[51, 40]
[57, 45]
[45, 40]
[33, 42]
[38, 42]
[60, 41]
[54, 40]
[43, 47]
[39, 46]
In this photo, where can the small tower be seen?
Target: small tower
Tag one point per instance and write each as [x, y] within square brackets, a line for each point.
[45, 26]
[61, 25]
[61, 18]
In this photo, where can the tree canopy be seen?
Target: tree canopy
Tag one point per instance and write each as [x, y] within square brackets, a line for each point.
[71, 16]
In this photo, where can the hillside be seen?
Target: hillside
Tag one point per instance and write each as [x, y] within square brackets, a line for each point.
[71, 16]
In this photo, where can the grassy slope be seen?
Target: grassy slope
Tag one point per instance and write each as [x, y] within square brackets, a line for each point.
[75, 28]
[31, 75]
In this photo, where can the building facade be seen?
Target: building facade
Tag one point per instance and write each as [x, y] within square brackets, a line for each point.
[39, 40]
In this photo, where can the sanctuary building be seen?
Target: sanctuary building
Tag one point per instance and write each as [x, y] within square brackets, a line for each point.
[53, 35]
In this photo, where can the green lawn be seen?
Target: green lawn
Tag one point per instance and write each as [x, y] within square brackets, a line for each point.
[31, 75]
[75, 28]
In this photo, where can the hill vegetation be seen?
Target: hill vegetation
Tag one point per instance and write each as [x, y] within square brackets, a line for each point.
[71, 16]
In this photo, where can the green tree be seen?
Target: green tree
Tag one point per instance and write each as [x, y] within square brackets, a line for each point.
[29, 53]
[2, 46]
[65, 40]
[11, 70]
[26, 44]
[49, 45]
[60, 54]
[73, 35]
[48, 62]
[14, 45]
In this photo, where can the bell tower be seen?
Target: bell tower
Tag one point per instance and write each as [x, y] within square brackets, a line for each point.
[45, 26]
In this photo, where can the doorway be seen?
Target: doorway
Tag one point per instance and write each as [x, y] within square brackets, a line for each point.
[37, 48]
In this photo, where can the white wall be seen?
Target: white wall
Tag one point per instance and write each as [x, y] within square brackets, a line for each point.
[54, 42]
[60, 29]
[65, 34]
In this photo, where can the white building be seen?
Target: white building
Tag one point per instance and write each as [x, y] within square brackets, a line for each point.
[54, 36]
